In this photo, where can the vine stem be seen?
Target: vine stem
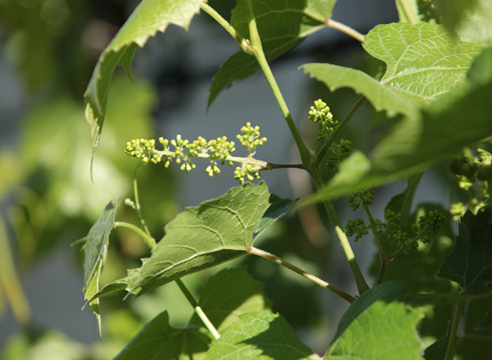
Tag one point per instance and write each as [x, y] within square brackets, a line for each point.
[256, 49]
[454, 331]
[342, 237]
[222, 22]
[405, 6]
[375, 233]
[198, 309]
[315, 279]
[151, 244]
[345, 29]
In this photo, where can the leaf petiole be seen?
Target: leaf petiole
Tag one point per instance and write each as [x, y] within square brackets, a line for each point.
[315, 279]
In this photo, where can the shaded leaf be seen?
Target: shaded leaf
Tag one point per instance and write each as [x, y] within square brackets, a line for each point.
[486, 322]
[277, 209]
[423, 62]
[437, 351]
[158, 340]
[260, 336]
[200, 237]
[282, 25]
[150, 17]
[229, 294]
[387, 292]
[382, 331]
[95, 249]
[470, 262]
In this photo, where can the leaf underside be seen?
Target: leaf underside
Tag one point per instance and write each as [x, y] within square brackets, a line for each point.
[149, 17]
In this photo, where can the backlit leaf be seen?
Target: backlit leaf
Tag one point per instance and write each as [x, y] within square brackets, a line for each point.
[383, 331]
[229, 294]
[259, 336]
[150, 17]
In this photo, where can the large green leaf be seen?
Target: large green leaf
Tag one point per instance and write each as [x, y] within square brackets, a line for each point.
[282, 25]
[150, 17]
[95, 247]
[229, 294]
[387, 292]
[259, 336]
[200, 237]
[382, 331]
[470, 262]
[423, 62]
[158, 340]
[460, 118]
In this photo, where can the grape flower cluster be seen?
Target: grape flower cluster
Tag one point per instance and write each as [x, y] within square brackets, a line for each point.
[217, 151]
[320, 113]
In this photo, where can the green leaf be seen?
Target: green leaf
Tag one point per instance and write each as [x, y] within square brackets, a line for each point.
[437, 351]
[229, 294]
[413, 144]
[158, 340]
[476, 23]
[470, 262]
[486, 322]
[259, 336]
[388, 292]
[200, 237]
[382, 331]
[423, 62]
[95, 249]
[282, 25]
[147, 19]
[277, 209]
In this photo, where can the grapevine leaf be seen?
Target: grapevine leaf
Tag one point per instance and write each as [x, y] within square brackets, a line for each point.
[200, 237]
[277, 209]
[437, 351]
[158, 340]
[476, 23]
[470, 262]
[147, 19]
[423, 62]
[95, 249]
[413, 144]
[485, 323]
[261, 336]
[382, 331]
[282, 25]
[229, 294]
[388, 292]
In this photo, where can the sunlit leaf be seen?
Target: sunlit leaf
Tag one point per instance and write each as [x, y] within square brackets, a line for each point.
[229, 294]
[150, 17]
[158, 340]
[282, 25]
[259, 336]
[423, 62]
[388, 292]
[200, 237]
[382, 331]
[413, 144]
